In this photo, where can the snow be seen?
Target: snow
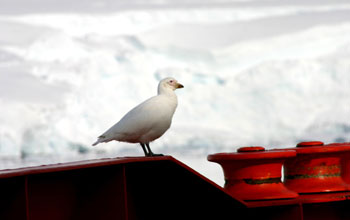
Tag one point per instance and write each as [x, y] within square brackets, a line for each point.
[268, 73]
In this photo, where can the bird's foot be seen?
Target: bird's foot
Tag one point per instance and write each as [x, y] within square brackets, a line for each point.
[148, 152]
[151, 154]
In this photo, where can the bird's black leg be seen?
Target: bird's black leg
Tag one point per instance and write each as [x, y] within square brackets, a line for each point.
[150, 153]
[144, 149]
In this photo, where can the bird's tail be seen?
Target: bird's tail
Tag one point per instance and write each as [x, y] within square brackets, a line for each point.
[99, 140]
[96, 143]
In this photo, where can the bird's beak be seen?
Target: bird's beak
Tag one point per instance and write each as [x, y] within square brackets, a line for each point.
[179, 86]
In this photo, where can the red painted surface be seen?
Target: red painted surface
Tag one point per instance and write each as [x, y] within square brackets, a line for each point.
[345, 163]
[316, 168]
[310, 144]
[250, 149]
[254, 173]
[164, 188]
[118, 188]
[318, 162]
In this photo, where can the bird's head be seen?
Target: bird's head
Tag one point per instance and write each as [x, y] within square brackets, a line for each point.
[168, 83]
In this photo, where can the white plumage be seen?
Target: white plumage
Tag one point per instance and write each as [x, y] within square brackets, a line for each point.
[147, 121]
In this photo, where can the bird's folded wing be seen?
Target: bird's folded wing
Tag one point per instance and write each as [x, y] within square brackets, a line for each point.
[136, 122]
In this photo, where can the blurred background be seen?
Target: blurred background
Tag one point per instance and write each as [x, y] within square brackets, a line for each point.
[256, 72]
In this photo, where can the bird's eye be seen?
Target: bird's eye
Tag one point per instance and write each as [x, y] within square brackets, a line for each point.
[171, 81]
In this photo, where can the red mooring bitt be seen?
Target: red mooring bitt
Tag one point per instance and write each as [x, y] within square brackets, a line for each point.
[253, 173]
[345, 163]
[317, 168]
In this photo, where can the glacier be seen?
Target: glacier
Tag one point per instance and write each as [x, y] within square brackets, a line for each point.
[268, 74]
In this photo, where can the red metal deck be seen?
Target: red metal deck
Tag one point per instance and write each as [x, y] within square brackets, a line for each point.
[144, 188]
[119, 188]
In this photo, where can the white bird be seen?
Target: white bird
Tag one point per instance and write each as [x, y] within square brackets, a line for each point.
[147, 121]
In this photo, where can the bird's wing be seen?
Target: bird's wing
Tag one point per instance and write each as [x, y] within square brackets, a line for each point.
[136, 122]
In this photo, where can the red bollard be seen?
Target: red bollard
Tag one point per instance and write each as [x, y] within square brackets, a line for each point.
[316, 168]
[345, 163]
[254, 173]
